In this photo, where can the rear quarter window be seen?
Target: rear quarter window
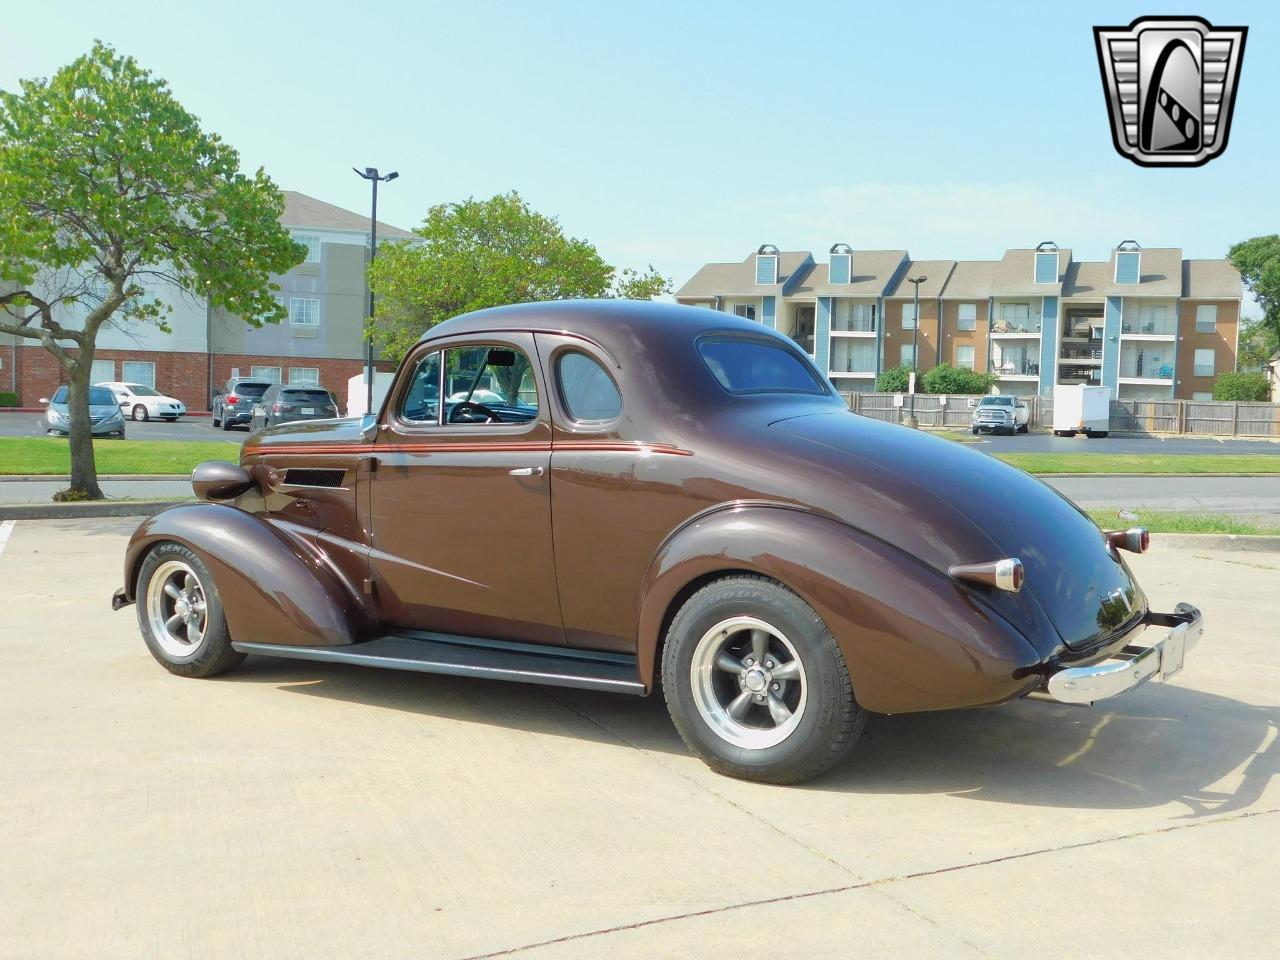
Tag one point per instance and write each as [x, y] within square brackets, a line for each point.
[747, 365]
[589, 393]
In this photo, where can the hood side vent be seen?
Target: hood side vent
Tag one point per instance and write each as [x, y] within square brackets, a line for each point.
[313, 477]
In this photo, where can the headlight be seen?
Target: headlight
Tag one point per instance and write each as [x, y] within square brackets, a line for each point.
[115, 415]
[54, 414]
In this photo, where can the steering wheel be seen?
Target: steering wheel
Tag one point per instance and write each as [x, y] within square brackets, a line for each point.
[489, 415]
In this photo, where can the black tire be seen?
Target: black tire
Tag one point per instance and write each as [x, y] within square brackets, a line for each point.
[213, 419]
[212, 653]
[975, 431]
[140, 413]
[831, 718]
[224, 424]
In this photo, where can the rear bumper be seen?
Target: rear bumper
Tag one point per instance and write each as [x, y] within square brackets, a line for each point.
[1133, 665]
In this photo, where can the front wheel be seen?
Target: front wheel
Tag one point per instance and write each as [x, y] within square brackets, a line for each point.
[140, 413]
[756, 684]
[180, 613]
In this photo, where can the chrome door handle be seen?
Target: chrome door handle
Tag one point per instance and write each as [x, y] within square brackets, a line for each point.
[526, 472]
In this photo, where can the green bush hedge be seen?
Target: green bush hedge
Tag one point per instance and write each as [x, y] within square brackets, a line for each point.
[8, 399]
[1242, 386]
[943, 378]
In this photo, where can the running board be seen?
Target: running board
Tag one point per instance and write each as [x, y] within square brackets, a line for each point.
[473, 657]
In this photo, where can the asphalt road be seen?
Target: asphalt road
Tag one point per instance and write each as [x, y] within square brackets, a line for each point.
[187, 428]
[316, 810]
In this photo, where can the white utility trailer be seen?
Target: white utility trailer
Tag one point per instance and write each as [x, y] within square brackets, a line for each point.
[1081, 409]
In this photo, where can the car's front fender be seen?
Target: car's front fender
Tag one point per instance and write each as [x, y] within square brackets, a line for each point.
[274, 587]
[913, 638]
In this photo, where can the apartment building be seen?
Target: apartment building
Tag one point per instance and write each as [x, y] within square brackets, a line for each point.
[1146, 323]
[321, 343]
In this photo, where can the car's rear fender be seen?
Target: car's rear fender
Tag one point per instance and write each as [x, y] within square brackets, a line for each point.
[274, 587]
[913, 639]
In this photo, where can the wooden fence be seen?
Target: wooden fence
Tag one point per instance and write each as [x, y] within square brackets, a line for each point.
[1203, 417]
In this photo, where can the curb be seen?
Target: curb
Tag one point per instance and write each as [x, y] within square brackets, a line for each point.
[1219, 541]
[102, 477]
[74, 511]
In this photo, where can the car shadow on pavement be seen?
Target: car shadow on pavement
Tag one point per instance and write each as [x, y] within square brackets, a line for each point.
[1161, 744]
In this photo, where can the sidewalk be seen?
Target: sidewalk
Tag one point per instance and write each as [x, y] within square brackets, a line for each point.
[42, 491]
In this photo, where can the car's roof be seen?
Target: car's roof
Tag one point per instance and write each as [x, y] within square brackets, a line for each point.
[600, 320]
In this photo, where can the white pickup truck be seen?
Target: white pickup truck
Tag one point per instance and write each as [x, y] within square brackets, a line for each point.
[1000, 413]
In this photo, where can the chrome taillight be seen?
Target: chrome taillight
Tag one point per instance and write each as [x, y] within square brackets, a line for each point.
[1135, 539]
[1007, 574]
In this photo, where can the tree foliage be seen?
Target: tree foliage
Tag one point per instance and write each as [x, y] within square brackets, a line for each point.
[1258, 261]
[945, 378]
[485, 253]
[894, 380]
[109, 193]
[1242, 386]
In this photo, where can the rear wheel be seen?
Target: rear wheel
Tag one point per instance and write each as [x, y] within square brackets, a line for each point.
[140, 413]
[756, 684]
[181, 615]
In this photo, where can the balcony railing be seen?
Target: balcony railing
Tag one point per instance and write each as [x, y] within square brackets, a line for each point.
[1147, 370]
[1016, 325]
[1081, 353]
[1156, 328]
[1014, 366]
[854, 326]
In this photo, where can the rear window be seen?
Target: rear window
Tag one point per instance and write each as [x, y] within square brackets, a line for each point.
[748, 365]
[308, 396]
[251, 389]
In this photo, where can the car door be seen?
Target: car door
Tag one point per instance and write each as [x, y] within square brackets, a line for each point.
[459, 495]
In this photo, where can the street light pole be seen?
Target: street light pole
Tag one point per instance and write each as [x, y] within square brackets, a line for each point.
[915, 343]
[371, 174]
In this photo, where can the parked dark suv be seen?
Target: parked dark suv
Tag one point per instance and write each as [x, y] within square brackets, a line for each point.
[233, 403]
[282, 404]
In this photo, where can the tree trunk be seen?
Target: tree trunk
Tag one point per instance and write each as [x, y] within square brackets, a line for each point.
[84, 471]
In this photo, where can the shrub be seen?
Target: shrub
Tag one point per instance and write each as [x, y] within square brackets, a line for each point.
[8, 399]
[945, 378]
[1242, 386]
[894, 380]
[71, 496]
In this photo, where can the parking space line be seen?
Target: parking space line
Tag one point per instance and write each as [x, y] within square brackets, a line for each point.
[6, 528]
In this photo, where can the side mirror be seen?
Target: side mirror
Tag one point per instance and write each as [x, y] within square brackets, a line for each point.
[220, 480]
[368, 427]
[43, 400]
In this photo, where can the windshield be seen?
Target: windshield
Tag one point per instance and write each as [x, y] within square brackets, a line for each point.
[748, 365]
[142, 390]
[996, 402]
[98, 397]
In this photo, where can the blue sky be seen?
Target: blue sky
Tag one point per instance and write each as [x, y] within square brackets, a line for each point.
[676, 133]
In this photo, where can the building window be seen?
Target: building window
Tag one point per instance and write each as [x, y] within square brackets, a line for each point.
[304, 312]
[745, 310]
[766, 268]
[312, 243]
[271, 374]
[102, 371]
[967, 319]
[908, 316]
[1201, 396]
[304, 377]
[1047, 266]
[841, 267]
[1207, 318]
[907, 355]
[138, 371]
[964, 357]
[1203, 363]
[1128, 264]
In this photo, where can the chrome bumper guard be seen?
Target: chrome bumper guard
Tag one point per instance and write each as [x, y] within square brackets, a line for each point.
[1133, 665]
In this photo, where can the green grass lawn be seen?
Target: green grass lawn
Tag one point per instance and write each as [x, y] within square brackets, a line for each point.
[51, 455]
[1167, 521]
[1142, 463]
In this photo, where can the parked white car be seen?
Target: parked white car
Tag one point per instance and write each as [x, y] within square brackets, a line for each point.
[1001, 413]
[141, 402]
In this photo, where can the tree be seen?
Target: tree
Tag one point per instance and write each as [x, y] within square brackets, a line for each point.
[107, 185]
[1242, 386]
[485, 253]
[1258, 261]
[945, 378]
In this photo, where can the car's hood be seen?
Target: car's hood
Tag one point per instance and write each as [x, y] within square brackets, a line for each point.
[970, 507]
[95, 409]
[321, 433]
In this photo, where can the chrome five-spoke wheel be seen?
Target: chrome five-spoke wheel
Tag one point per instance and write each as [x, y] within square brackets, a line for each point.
[177, 610]
[748, 683]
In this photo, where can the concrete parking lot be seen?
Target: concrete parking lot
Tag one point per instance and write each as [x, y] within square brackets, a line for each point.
[295, 809]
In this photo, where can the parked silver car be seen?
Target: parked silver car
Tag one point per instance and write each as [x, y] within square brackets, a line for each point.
[104, 413]
[999, 414]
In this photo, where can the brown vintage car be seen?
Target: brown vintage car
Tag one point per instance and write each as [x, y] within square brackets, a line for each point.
[613, 494]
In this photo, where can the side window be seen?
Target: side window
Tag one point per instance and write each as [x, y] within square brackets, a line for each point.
[588, 392]
[421, 403]
[489, 384]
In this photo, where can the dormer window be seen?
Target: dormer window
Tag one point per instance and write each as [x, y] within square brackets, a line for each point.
[1047, 262]
[1128, 262]
[841, 266]
[767, 264]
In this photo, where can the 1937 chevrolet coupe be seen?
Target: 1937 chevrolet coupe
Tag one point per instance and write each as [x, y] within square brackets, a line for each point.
[614, 495]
